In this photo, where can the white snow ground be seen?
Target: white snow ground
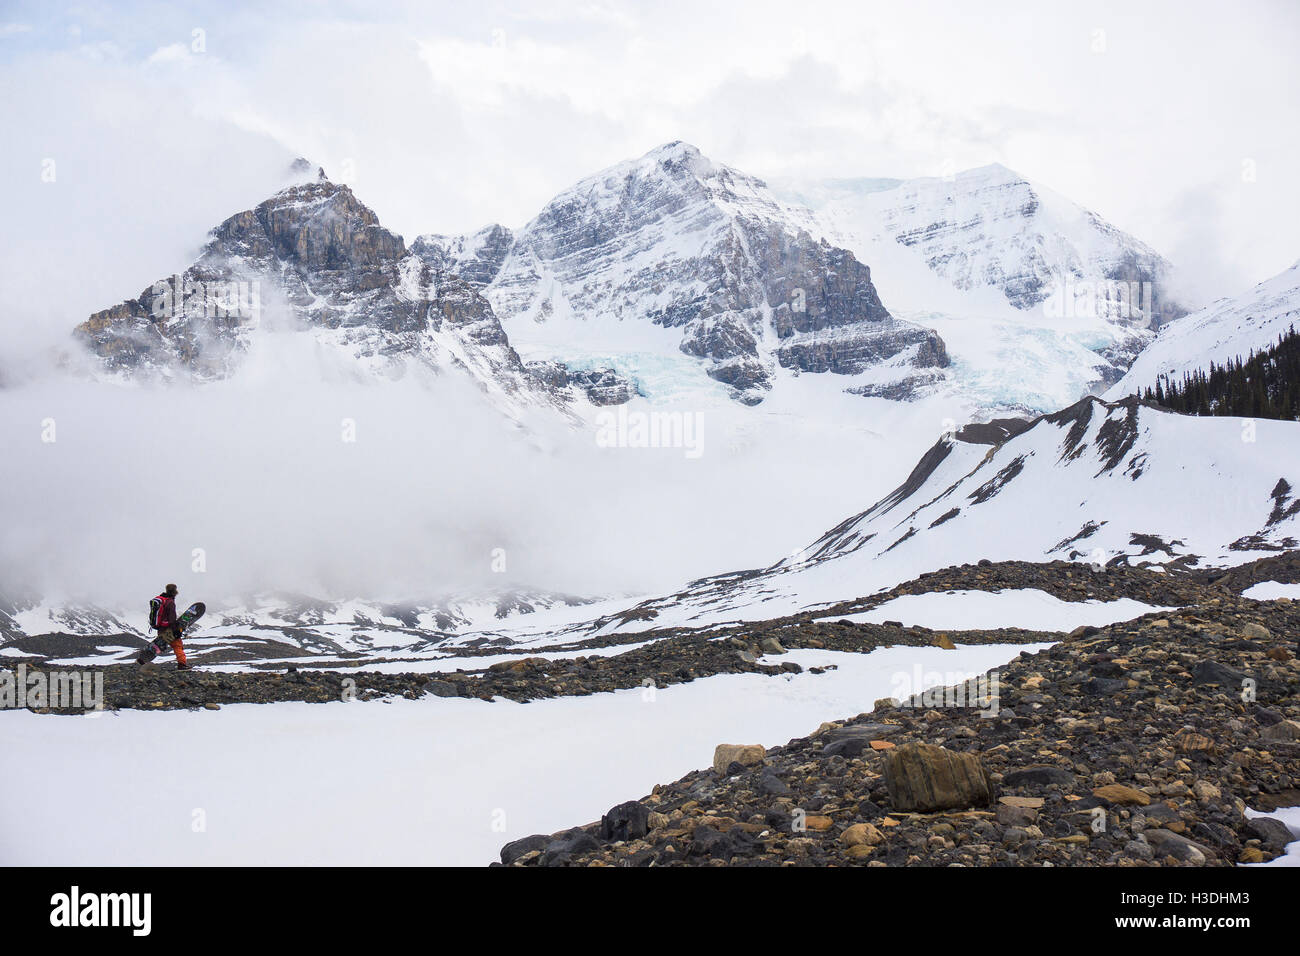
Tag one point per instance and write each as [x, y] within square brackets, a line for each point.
[1029, 608]
[408, 782]
[1271, 591]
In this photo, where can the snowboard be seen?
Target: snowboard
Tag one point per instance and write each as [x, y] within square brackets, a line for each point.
[163, 641]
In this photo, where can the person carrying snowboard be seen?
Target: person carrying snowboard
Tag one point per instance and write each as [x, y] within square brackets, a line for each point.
[168, 625]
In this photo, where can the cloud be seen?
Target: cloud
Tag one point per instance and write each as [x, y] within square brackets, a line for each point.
[463, 116]
[259, 476]
[172, 53]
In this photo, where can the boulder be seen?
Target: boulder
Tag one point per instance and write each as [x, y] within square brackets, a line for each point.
[748, 755]
[1212, 672]
[1274, 834]
[561, 849]
[1120, 795]
[924, 777]
[1167, 843]
[1188, 741]
[514, 850]
[627, 821]
[1282, 731]
[706, 841]
[861, 834]
[441, 688]
[1042, 776]
[770, 783]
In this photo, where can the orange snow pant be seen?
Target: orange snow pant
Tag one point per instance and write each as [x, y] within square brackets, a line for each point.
[177, 647]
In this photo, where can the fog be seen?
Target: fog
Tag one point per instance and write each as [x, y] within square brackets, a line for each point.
[296, 475]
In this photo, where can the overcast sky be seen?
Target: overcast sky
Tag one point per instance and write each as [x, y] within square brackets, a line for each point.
[1177, 122]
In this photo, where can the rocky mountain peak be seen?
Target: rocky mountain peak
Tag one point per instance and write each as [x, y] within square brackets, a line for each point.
[318, 252]
[319, 225]
[677, 240]
[301, 170]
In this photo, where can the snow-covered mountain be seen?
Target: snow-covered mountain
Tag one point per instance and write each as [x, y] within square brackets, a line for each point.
[1227, 329]
[314, 259]
[1030, 300]
[1097, 482]
[277, 625]
[1039, 300]
[672, 276]
[991, 227]
[677, 242]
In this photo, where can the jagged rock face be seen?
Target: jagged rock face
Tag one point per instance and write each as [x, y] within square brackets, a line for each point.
[317, 226]
[601, 386]
[991, 227]
[674, 239]
[856, 349]
[316, 253]
[476, 258]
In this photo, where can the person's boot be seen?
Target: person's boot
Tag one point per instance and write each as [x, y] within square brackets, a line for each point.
[185, 667]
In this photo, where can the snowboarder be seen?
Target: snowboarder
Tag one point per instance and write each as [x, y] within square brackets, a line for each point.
[168, 625]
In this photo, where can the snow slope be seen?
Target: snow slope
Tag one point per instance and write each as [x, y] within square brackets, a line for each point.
[1029, 608]
[986, 228]
[1021, 283]
[1095, 482]
[1227, 329]
[1271, 591]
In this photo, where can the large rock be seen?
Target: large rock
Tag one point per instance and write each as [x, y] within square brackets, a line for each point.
[1212, 672]
[1039, 777]
[851, 741]
[517, 848]
[561, 849]
[861, 833]
[1282, 731]
[1121, 795]
[748, 755]
[627, 821]
[924, 777]
[1274, 834]
[1167, 843]
[706, 841]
